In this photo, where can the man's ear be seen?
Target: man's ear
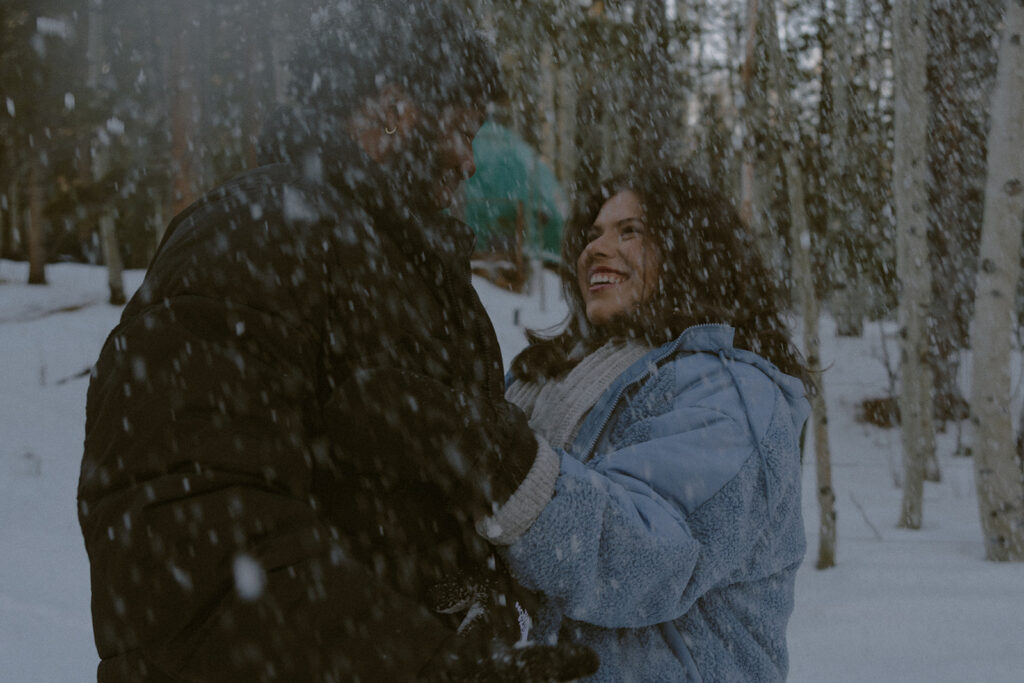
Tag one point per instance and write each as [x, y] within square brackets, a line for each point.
[383, 122]
[399, 112]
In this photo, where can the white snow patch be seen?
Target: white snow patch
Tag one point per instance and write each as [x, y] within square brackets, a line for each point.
[250, 579]
[49, 26]
[489, 527]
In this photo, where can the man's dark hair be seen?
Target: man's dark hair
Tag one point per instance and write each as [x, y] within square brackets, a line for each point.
[711, 272]
[428, 48]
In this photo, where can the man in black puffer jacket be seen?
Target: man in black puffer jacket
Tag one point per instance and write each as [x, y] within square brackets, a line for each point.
[299, 418]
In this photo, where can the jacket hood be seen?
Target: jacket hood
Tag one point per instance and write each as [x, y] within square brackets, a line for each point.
[718, 339]
[315, 142]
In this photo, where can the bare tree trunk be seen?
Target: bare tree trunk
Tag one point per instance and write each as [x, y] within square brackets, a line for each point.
[997, 474]
[159, 224]
[14, 211]
[566, 162]
[258, 17]
[747, 213]
[546, 114]
[651, 118]
[910, 177]
[589, 122]
[112, 257]
[5, 207]
[847, 298]
[183, 110]
[101, 163]
[36, 227]
[731, 114]
[696, 146]
[803, 275]
[276, 50]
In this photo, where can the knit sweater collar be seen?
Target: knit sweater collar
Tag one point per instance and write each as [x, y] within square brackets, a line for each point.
[558, 407]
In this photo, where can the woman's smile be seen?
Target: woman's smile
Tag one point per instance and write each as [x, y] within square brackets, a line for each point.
[618, 269]
[604, 278]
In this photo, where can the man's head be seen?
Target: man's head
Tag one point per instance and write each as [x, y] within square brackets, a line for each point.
[410, 82]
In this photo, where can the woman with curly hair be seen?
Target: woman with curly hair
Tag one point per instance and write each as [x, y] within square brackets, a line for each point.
[663, 527]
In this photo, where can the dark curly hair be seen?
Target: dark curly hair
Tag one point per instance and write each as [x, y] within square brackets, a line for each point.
[711, 272]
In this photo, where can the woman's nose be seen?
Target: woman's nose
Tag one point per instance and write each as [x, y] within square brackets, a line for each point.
[602, 245]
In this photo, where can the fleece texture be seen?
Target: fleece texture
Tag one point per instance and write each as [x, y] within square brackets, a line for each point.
[673, 537]
[556, 410]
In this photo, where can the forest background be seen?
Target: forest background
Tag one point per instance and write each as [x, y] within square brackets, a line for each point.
[873, 147]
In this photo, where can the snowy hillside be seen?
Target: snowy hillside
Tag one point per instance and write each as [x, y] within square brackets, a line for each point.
[900, 605]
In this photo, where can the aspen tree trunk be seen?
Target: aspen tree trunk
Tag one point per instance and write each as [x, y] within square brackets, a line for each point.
[803, 275]
[255, 77]
[276, 54]
[910, 177]
[997, 474]
[589, 121]
[650, 112]
[747, 213]
[101, 163]
[547, 104]
[566, 163]
[848, 309]
[36, 226]
[549, 147]
[159, 225]
[754, 118]
[5, 207]
[696, 146]
[733, 160]
[183, 109]
[14, 211]
[112, 257]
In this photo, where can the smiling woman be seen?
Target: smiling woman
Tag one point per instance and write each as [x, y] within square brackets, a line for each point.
[670, 511]
[618, 269]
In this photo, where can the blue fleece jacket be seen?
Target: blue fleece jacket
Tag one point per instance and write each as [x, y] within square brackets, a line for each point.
[673, 538]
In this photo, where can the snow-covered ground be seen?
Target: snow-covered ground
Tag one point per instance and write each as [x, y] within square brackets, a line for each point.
[900, 606]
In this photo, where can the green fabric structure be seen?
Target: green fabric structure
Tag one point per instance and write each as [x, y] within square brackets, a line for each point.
[509, 171]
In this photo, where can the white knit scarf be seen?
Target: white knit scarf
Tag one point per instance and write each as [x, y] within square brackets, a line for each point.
[556, 407]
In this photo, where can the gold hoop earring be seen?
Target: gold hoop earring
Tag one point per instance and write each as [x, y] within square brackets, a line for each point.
[390, 131]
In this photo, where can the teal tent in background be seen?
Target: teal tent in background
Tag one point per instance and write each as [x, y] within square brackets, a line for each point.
[511, 178]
